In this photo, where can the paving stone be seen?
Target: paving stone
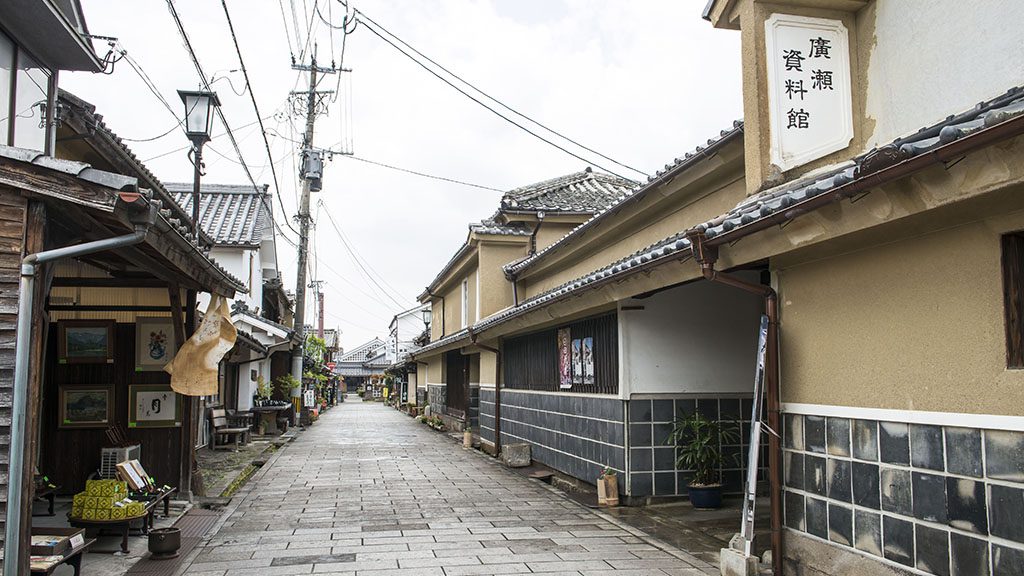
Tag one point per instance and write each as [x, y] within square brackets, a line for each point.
[345, 499]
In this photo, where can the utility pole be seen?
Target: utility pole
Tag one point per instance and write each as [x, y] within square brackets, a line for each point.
[311, 172]
[315, 284]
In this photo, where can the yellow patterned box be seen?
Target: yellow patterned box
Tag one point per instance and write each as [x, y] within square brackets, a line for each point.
[79, 500]
[117, 513]
[76, 511]
[105, 487]
[89, 514]
[103, 514]
[134, 509]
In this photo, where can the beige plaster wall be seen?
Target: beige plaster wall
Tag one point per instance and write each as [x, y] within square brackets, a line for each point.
[495, 289]
[488, 368]
[915, 324]
[434, 370]
[551, 232]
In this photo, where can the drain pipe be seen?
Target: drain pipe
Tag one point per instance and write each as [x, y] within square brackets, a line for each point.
[706, 256]
[497, 389]
[26, 291]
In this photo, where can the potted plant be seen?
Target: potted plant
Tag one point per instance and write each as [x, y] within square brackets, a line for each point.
[698, 443]
[608, 488]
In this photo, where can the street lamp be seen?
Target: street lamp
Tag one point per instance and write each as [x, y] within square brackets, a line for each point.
[427, 316]
[199, 107]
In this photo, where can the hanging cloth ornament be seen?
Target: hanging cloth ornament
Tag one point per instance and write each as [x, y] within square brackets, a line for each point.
[195, 367]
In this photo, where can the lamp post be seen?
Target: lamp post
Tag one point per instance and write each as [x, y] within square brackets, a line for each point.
[199, 107]
[428, 315]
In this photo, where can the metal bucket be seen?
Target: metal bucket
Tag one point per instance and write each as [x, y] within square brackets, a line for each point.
[164, 543]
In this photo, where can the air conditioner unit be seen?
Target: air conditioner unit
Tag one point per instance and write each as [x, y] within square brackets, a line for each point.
[111, 457]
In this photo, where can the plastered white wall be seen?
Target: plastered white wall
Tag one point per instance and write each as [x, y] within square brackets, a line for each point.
[697, 338]
[939, 57]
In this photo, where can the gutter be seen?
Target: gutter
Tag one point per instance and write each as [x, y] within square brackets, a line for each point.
[497, 389]
[143, 216]
[706, 256]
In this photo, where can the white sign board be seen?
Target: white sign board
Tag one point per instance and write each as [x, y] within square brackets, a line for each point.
[308, 398]
[810, 107]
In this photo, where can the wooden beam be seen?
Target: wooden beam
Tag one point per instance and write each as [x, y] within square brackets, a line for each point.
[119, 282]
[174, 297]
[46, 182]
[106, 308]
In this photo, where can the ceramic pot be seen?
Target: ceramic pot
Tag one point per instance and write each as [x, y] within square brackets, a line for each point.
[706, 497]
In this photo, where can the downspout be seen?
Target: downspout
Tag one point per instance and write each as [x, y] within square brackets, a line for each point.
[432, 295]
[533, 234]
[497, 389]
[706, 256]
[19, 408]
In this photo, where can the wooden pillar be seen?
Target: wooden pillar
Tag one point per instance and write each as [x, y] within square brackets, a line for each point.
[183, 329]
[35, 241]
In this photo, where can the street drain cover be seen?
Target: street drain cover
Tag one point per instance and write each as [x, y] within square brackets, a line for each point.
[323, 559]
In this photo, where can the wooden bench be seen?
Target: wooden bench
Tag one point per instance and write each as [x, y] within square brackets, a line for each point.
[72, 558]
[223, 429]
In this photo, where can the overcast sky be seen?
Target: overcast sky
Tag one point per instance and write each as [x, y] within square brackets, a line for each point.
[640, 81]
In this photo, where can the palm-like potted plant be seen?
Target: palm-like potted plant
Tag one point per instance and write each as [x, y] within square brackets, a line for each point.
[698, 443]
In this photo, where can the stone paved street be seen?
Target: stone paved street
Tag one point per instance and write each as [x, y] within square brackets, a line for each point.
[369, 491]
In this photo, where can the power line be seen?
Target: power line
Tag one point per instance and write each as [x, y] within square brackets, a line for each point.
[259, 117]
[363, 16]
[421, 174]
[220, 113]
[359, 264]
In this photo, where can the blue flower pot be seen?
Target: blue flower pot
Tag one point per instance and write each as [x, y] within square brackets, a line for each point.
[706, 497]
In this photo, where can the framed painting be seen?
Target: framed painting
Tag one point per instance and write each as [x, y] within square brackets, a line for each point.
[153, 406]
[154, 343]
[86, 406]
[85, 341]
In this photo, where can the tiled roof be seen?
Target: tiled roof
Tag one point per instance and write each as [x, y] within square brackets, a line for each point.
[582, 192]
[785, 202]
[358, 354]
[102, 137]
[232, 215]
[492, 226]
[169, 226]
[669, 171]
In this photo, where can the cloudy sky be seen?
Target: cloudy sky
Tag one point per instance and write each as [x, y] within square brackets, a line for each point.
[640, 81]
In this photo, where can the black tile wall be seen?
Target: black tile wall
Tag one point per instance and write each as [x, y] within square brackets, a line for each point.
[1007, 561]
[969, 556]
[837, 432]
[894, 442]
[1007, 512]
[816, 517]
[865, 485]
[929, 496]
[898, 540]
[839, 476]
[868, 532]
[576, 435]
[932, 548]
[963, 451]
[926, 447]
[815, 480]
[865, 439]
[840, 524]
[814, 434]
[966, 505]
[951, 498]
[650, 424]
[894, 489]
[664, 483]
[641, 483]
[794, 511]
[1004, 455]
[487, 414]
[794, 470]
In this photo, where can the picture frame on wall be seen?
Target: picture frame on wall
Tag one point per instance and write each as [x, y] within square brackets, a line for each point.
[564, 358]
[577, 361]
[86, 406]
[85, 342]
[154, 343]
[153, 406]
[588, 360]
